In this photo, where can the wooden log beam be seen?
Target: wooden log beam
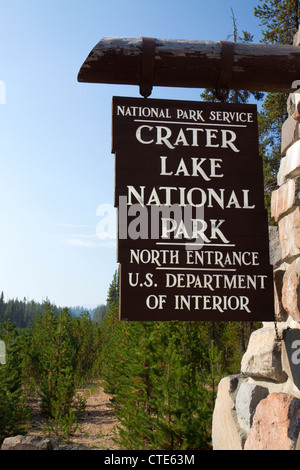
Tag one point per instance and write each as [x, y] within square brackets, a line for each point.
[194, 64]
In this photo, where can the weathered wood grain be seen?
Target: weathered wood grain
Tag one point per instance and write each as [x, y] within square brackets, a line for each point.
[193, 64]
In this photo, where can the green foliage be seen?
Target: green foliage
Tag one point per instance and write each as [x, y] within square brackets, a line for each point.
[59, 354]
[163, 377]
[57, 381]
[280, 19]
[270, 120]
[235, 96]
[99, 314]
[53, 357]
[113, 291]
[21, 313]
[14, 413]
[64, 350]
[2, 308]
[87, 342]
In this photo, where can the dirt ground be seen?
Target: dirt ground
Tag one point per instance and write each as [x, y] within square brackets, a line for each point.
[97, 424]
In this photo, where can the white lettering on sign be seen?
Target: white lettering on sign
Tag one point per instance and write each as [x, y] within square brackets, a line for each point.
[190, 114]
[227, 116]
[200, 230]
[188, 184]
[193, 168]
[207, 302]
[195, 197]
[215, 281]
[141, 111]
[187, 137]
[220, 259]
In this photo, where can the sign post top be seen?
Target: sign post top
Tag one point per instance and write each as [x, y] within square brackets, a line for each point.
[194, 64]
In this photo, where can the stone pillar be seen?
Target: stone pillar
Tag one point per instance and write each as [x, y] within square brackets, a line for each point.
[259, 409]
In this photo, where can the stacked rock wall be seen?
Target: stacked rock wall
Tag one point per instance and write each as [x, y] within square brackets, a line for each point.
[259, 409]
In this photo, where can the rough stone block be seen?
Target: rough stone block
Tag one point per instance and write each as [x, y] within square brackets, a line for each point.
[298, 443]
[289, 233]
[279, 311]
[281, 175]
[289, 134]
[291, 290]
[274, 246]
[290, 105]
[226, 433]
[291, 355]
[247, 399]
[29, 442]
[263, 356]
[290, 164]
[296, 114]
[293, 101]
[285, 199]
[276, 424]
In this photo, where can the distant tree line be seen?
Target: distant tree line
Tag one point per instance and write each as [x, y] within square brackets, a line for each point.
[23, 313]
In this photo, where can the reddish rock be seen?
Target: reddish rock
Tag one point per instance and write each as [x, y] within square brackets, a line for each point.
[276, 424]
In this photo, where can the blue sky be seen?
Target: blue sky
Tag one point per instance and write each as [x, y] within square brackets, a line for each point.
[56, 166]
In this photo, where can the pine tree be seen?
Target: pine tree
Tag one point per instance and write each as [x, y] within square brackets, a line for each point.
[280, 20]
[57, 375]
[155, 372]
[113, 291]
[99, 314]
[54, 356]
[163, 377]
[270, 120]
[86, 342]
[14, 413]
[235, 96]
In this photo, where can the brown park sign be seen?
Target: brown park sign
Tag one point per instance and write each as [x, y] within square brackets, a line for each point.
[192, 227]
